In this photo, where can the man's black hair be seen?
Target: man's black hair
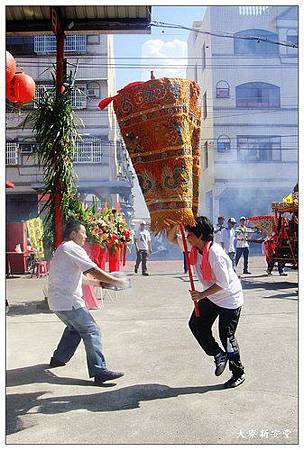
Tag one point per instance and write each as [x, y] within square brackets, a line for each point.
[71, 225]
[203, 229]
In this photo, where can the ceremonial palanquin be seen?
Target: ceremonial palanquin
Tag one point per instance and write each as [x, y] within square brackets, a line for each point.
[160, 124]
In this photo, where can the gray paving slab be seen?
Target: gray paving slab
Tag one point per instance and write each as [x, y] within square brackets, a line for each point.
[169, 394]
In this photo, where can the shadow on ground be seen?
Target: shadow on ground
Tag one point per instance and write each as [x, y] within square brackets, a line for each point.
[126, 398]
[33, 307]
[268, 285]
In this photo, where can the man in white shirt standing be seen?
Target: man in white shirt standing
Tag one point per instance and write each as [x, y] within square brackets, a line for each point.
[242, 244]
[219, 231]
[143, 248]
[66, 276]
[229, 239]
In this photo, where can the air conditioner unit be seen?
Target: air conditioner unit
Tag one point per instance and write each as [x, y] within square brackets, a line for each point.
[91, 93]
[26, 148]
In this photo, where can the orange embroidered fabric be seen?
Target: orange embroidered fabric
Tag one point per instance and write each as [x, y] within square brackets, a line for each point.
[264, 223]
[160, 124]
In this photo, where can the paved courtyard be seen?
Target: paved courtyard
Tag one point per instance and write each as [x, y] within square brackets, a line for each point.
[169, 394]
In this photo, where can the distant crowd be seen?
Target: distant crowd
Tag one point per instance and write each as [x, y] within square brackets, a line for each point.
[234, 240]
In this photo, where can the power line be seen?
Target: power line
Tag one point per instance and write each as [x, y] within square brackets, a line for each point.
[258, 39]
[163, 66]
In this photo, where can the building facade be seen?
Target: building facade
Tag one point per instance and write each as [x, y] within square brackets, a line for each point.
[101, 162]
[249, 87]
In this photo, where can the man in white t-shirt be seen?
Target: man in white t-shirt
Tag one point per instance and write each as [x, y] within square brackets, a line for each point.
[222, 297]
[229, 239]
[219, 230]
[143, 248]
[67, 272]
[242, 244]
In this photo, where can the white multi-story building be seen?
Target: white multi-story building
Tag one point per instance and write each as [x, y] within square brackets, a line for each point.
[249, 87]
[101, 163]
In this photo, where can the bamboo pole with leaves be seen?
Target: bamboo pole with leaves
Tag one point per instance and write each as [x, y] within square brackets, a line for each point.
[55, 130]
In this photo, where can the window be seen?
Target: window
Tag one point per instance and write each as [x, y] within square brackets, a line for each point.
[79, 94]
[12, 149]
[206, 162]
[222, 89]
[253, 46]
[72, 44]
[292, 39]
[259, 148]
[204, 56]
[254, 10]
[205, 105]
[258, 95]
[20, 45]
[223, 144]
[88, 151]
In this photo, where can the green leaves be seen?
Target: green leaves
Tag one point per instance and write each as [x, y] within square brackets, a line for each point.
[54, 127]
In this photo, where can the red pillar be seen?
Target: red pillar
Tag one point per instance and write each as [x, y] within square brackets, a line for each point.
[57, 28]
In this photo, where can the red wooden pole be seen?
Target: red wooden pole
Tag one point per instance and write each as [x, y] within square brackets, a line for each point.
[196, 309]
[57, 28]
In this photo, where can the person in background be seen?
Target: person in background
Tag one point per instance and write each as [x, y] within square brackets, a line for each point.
[229, 240]
[218, 231]
[181, 246]
[143, 248]
[242, 244]
[67, 272]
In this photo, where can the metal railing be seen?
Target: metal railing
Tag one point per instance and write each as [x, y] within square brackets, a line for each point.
[12, 152]
[72, 44]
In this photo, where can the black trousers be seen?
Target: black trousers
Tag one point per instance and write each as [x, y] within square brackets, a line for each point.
[141, 258]
[201, 328]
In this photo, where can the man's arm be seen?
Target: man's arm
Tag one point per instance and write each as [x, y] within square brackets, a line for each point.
[104, 277]
[137, 244]
[90, 280]
[196, 295]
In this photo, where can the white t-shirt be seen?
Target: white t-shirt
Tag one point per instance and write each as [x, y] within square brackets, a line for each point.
[229, 240]
[65, 276]
[144, 238]
[219, 233]
[231, 295]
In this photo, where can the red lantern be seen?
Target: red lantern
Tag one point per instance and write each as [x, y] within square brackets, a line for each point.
[21, 89]
[10, 67]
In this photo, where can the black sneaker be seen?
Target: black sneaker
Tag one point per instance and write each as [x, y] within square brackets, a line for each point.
[56, 363]
[246, 272]
[220, 362]
[135, 270]
[107, 375]
[145, 274]
[235, 381]
[283, 274]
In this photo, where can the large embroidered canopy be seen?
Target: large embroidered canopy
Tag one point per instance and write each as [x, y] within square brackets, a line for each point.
[160, 124]
[264, 223]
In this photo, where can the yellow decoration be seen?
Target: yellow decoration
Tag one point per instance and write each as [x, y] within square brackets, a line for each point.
[35, 234]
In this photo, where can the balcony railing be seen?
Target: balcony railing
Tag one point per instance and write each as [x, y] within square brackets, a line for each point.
[79, 95]
[12, 151]
[88, 152]
[72, 44]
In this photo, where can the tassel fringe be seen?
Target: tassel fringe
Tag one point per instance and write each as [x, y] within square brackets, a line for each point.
[164, 220]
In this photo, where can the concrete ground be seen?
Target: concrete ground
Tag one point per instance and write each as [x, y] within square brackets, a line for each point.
[169, 394]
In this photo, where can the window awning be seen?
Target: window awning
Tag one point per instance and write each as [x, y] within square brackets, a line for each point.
[32, 19]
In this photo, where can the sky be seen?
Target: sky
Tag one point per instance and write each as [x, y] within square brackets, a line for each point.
[138, 49]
